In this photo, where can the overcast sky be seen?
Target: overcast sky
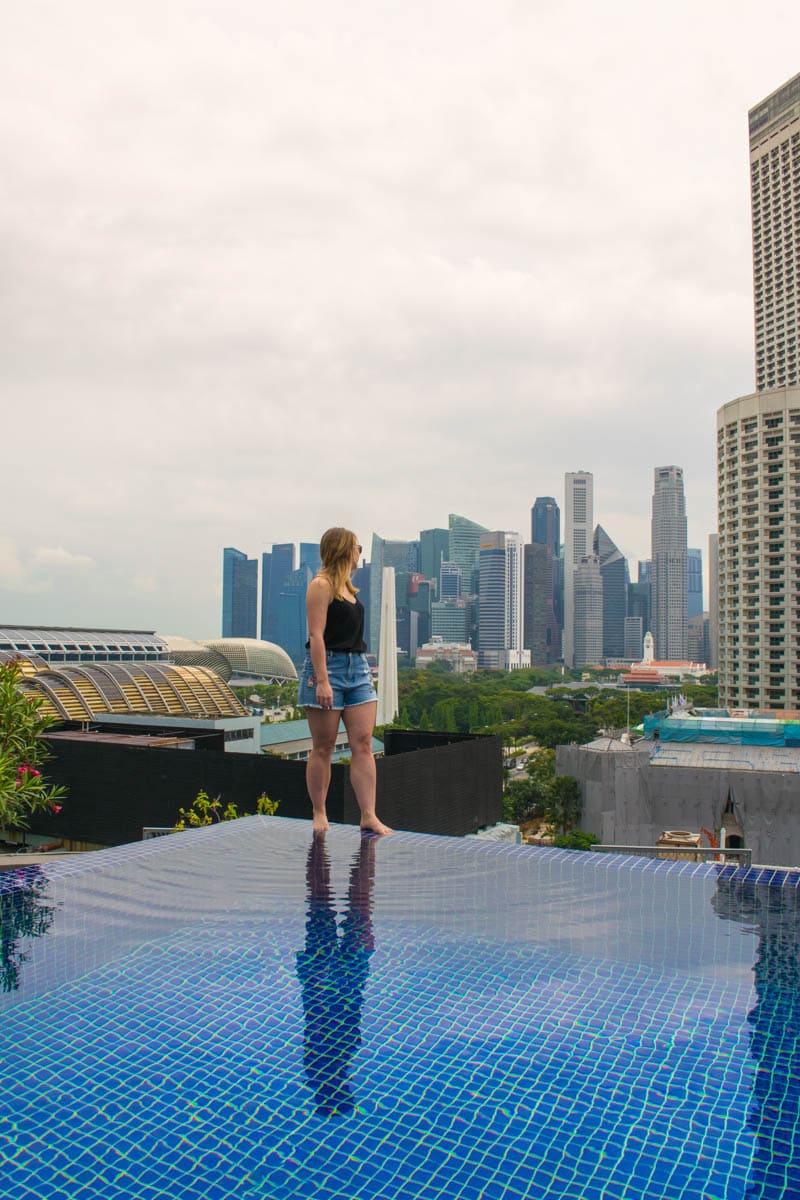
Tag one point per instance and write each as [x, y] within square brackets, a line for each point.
[269, 267]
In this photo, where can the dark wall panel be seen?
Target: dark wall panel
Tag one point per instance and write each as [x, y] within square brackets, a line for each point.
[451, 787]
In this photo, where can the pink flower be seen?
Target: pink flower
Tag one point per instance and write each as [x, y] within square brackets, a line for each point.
[56, 808]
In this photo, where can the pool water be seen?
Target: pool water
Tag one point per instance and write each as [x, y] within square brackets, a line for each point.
[246, 1012]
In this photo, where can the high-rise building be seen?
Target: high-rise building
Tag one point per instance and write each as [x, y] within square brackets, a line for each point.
[614, 574]
[588, 612]
[465, 545]
[694, 576]
[239, 593]
[634, 639]
[292, 623]
[546, 523]
[639, 598]
[402, 556]
[450, 620]
[541, 633]
[546, 531]
[578, 521]
[434, 548]
[775, 203]
[276, 569]
[449, 581]
[758, 440]
[501, 586]
[697, 638]
[758, 461]
[309, 556]
[713, 600]
[669, 587]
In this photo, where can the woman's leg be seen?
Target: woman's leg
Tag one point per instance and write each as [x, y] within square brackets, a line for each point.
[359, 721]
[324, 726]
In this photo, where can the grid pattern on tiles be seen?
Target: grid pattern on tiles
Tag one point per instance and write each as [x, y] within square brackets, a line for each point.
[231, 1014]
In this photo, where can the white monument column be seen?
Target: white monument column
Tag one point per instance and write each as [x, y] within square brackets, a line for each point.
[387, 657]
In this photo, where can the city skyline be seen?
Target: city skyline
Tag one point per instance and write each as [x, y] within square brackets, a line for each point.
[195, 303]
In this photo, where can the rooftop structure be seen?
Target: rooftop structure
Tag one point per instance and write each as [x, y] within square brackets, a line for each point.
[67, 644]
[252, 660]
[82, 692]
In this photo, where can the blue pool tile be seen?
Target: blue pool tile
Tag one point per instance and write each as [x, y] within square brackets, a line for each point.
[235, 1013]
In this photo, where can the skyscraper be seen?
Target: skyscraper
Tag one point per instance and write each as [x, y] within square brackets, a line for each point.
[500, 618]
[292, 631]
[546, 523]
[669, 585]
[546, 618]
[615, 579]
[402, 556]
[281, 566]
[775, 197]
[694, 574]
[465, 545]
[449, 581]
[713, 600]
[588, 610]
[309, 556]
[239, 593]
[434, 548]
[578, 521]
[541, 633]
[758, 439]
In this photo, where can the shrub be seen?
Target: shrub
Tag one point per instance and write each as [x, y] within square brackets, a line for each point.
[576, 840]
[205, 811]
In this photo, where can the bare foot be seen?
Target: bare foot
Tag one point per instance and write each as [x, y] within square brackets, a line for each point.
[373, 825]
[321, 824]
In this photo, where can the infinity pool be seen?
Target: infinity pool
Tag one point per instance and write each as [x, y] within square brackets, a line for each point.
[246, 1012]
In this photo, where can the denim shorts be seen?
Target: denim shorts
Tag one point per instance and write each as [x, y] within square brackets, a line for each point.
[349, 676]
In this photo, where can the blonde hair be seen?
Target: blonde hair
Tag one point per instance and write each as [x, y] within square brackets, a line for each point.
[336, 551]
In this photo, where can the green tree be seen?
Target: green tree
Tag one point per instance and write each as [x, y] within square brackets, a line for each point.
[523, 800]
[563, 805]
[23, 788]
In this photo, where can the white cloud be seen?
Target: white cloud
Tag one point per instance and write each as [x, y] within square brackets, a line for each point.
[57, 556]
[145, 583]
[262, 269]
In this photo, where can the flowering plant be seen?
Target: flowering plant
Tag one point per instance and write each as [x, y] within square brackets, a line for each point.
[23, 787]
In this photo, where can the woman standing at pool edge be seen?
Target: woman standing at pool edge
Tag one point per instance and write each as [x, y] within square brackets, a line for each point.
[336, 682]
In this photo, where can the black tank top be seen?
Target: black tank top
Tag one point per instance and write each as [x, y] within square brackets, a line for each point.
[344, 627]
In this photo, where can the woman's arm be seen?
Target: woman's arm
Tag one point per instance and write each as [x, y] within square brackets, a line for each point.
[318, 597]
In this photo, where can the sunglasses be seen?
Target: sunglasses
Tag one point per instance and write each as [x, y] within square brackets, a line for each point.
[359, 548]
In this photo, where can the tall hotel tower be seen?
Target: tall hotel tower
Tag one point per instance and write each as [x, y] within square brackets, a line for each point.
[758, 438]
[578, 525]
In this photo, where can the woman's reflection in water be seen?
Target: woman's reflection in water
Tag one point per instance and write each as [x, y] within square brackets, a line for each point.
[333, 970]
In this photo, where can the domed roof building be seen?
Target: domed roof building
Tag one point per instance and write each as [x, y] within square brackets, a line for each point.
[245, 660]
